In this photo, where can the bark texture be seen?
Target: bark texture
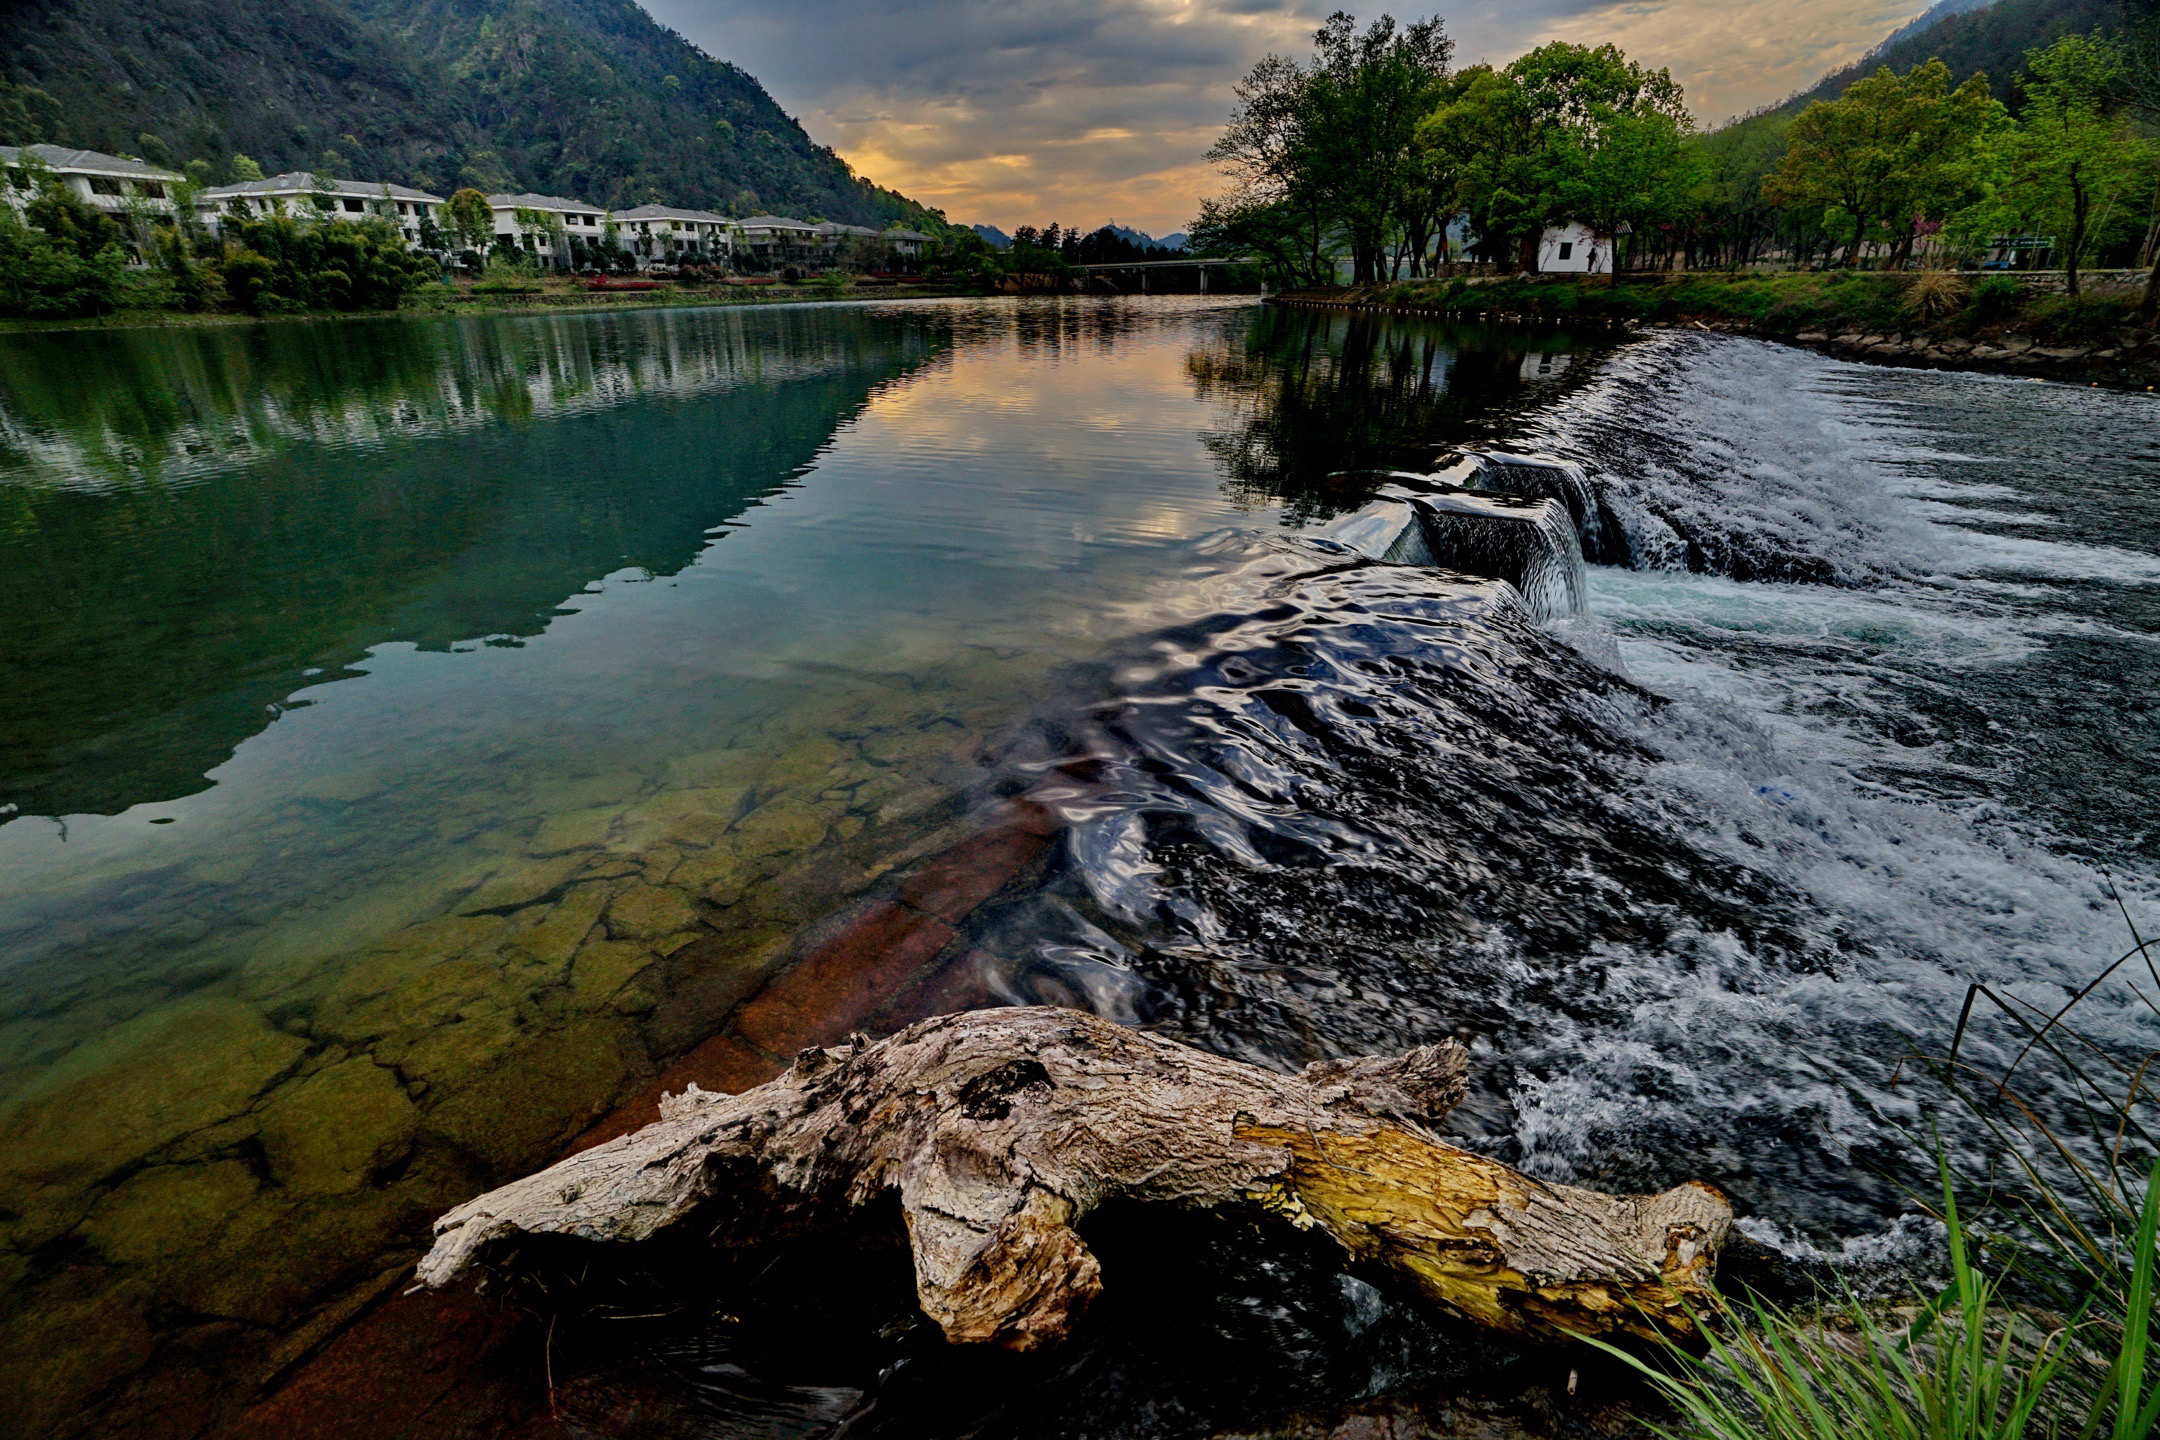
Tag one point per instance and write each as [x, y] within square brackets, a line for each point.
[999, 1130]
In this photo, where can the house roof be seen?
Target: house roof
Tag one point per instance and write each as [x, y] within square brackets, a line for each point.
[908, 235]
[828, 227]
[775, 222]
[669, 212]
[303, 182]
[540, 202]
[59, 157]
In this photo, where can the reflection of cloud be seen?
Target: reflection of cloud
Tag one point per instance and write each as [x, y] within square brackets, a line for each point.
[1027, 111]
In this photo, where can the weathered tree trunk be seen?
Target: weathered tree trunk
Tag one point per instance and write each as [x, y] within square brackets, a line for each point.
[1001, 1130]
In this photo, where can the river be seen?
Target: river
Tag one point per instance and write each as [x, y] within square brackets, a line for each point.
[416, 736]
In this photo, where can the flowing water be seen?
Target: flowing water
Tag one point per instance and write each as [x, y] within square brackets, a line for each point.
[416, 735]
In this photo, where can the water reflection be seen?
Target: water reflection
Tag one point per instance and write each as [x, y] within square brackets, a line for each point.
[424, 927]
[1318, 396]
[197, 524]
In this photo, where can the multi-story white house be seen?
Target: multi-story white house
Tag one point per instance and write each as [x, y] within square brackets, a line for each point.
[657, 234]
[909, 242]
[534, 223]
[109, 182]
[308, 196]
[776, 239]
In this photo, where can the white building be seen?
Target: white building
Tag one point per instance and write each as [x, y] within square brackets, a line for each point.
[1575, 249]
[308, 196]
[535, 223]
[109, 182]
[909, 242]
[777, 239]
[658, 234]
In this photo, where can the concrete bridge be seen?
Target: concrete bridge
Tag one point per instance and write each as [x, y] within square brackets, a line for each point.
[1130, 277]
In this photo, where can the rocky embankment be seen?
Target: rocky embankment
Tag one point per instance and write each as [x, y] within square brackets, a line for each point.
[2130, 360]
[2017, 325]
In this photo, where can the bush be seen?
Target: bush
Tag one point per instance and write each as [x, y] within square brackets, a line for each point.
[1996, 299]
[1936, 294]
[2080, 319]
[43, 280]
[277, 265]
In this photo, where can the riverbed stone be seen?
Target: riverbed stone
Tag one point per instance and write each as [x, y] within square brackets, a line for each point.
[574, 830]
[604, 966]
[646, 912]
[544, 944]
[521, 882]
[55, 1357]
[539, 1094]
[162, 1214]
[326, 1134]
[145, 1083]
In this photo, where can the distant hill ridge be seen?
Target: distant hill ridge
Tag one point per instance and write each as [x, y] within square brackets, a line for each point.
[999, 240]
[588, 98]
[1969, 36]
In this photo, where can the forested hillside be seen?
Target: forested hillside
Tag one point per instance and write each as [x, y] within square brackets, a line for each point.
[1992, 40]
[587, 98]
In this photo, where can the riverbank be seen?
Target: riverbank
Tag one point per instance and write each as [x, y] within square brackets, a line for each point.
[550, 296]
[1998, 323]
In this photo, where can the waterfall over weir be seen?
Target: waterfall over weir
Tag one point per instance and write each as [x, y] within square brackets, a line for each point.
[1531, 540]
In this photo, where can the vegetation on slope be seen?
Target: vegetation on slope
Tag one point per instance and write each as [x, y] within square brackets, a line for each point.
[587, 98]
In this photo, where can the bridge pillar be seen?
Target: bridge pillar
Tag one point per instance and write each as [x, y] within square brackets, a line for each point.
[1143, 282]
[1203, 279]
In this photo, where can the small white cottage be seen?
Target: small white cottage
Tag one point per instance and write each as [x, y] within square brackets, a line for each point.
[1575, 249]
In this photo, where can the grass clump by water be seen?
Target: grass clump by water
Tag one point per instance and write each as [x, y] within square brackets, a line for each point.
[2047, 1326]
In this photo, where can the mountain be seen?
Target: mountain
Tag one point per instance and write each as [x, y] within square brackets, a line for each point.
[588, 98]
[1143, 239]
[998, 239]
[1991, 39]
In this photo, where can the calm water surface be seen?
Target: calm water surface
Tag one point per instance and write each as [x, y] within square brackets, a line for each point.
[382, 707]
[418, 735]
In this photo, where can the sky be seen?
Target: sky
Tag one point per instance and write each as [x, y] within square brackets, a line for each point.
[1085, 112]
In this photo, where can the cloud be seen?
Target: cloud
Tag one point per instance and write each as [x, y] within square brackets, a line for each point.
[1028, 111]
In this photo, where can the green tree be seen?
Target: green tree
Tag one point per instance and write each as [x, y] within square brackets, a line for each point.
[1362, 102]
[1490, 137]
[244, 169]
[1276, 204]
[2070, 156]
[1609, 138]
[1889, 150]
[471, 221]
[44, 278]
[279, 265]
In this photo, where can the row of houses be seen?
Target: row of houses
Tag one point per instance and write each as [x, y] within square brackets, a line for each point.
[548, 228]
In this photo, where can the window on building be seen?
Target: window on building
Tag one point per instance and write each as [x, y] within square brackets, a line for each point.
[355, 206]
[105, 185]
[1567, 249]
[150, 189]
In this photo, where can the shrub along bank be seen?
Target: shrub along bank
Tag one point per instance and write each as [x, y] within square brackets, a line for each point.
[65, 259]
[1928, 317]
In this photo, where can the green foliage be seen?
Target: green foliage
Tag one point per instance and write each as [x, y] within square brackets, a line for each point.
[1888, 152]
[1997, 298]
[45, 279]
[2070, 160]
[71, 223]
[277, 265]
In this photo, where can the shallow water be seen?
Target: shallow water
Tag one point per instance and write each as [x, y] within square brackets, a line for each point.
[414, 735]
[421, 734]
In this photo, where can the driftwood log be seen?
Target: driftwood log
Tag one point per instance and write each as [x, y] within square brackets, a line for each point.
[998, 1131]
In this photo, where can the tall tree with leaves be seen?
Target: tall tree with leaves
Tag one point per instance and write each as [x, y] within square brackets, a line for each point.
[1364, 96]
[1611, 137]
[2071, 156]
[1888, 149]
